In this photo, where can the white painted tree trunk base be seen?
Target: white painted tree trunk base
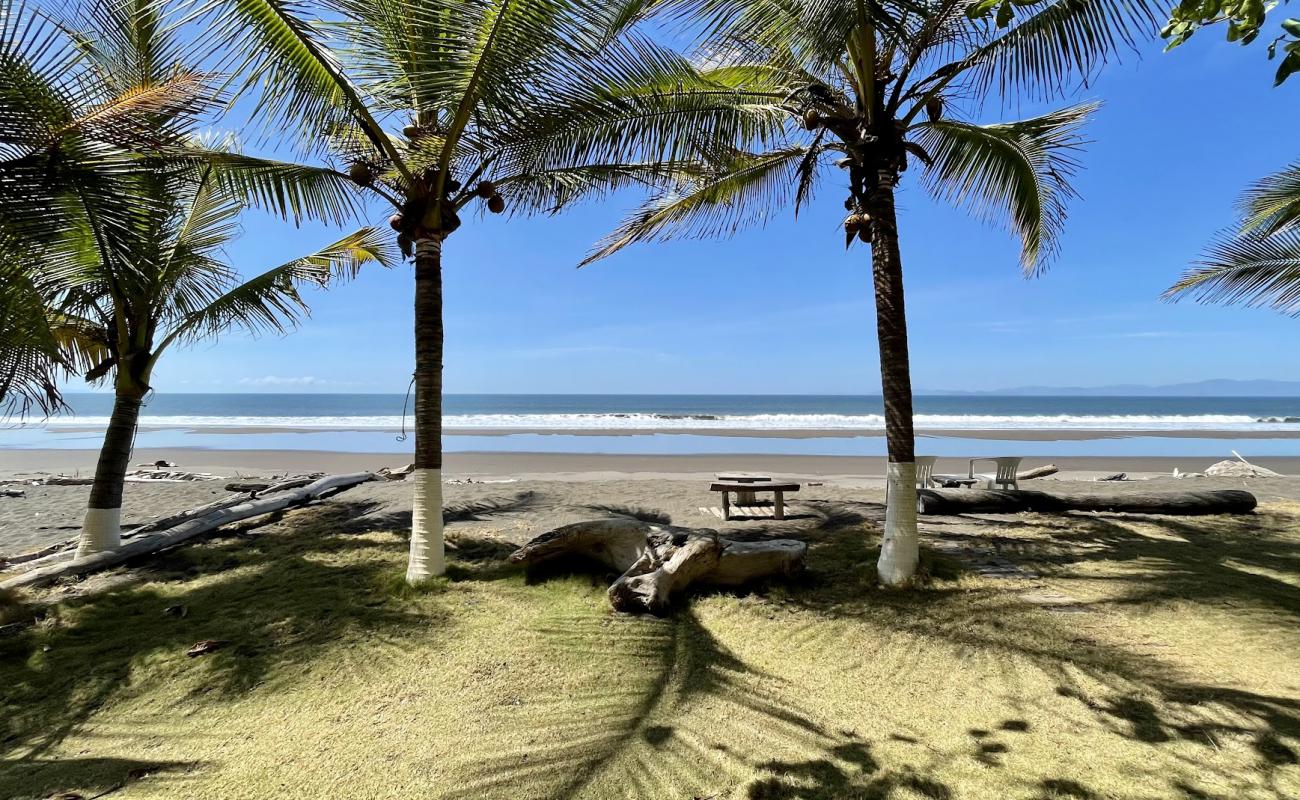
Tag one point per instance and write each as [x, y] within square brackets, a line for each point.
[427, 556]
[101, 531]
[899, 552]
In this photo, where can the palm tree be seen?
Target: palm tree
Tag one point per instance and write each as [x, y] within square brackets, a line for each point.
[135, 220]
[525, 105]
[874, 86]
[62, 137]
[1258, 263]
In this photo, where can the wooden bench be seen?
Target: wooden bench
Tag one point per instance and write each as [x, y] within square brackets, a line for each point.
[754, 487]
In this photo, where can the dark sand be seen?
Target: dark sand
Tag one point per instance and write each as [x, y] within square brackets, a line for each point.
[515, 497]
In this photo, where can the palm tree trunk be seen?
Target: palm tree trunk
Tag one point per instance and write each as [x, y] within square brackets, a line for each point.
[899, 550]
[102, 529]
[427, 558]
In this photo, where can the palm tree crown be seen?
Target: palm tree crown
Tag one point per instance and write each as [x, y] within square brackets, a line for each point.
[129, 219]
[869, 89]
[519, 105]
[873, 89]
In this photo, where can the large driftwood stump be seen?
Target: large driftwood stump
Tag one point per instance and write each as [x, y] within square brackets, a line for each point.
[657, 562]
[980, 501]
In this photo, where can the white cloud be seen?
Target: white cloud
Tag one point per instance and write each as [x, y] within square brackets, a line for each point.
[278, 380]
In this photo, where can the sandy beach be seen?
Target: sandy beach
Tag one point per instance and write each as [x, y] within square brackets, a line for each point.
[560, 488]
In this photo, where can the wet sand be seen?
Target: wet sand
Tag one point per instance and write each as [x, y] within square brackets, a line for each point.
[583, 466]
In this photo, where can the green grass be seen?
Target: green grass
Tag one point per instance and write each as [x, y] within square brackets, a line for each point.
[1183, 680]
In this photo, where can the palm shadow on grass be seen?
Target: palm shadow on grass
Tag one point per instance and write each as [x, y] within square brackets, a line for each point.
[275, 599]
[632, 729]
[1249, 564]
[641, 727]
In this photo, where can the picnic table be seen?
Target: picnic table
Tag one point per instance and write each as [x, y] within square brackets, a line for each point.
[743, 497]
[750, 488]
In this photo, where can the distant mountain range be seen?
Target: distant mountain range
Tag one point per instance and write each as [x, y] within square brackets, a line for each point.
[1212, 388]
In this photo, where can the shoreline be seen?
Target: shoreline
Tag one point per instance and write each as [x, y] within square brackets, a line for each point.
[591, 466]
[1005, 434]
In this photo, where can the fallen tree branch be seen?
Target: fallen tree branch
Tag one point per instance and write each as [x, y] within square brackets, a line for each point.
[146, 544]
[658, 562]
[982, 501]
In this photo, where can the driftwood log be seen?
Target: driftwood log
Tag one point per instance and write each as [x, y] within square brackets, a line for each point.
[980, 501]
[146, 544]
[1037, 472]
[658, 562]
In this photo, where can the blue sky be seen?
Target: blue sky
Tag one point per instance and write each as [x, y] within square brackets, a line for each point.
[786, 310]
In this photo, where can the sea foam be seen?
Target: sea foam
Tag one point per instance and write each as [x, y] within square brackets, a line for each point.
[612, 422]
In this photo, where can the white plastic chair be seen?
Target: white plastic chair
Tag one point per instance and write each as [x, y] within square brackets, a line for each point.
[924, 469]
[1004, 476]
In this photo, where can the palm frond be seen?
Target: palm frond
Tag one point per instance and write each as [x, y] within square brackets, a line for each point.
[638, 103]
[1060, 43]
[290, 191]
[1253, 269]
[297, 76]
[31, 362]
[746, 191]
[130, 119]
[1272, 204]
[1017, 170]
[550, 191]
[271, 301]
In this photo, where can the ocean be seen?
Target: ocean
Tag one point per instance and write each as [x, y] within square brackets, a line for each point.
[648, 424]
[848, 413]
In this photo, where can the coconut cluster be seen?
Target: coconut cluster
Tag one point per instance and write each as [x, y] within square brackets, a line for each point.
[857, 223]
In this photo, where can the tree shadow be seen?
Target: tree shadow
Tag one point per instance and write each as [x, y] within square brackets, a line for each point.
[635, 727]
[1248, 564]
[40, 778]
[274, 601]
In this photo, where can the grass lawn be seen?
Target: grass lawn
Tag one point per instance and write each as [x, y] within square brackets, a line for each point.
[1175, 674]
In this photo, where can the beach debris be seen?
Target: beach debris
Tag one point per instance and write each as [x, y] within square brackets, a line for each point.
[988, 501]
[180, 611]
[1114, 476]
[397, 474]
[170, 476]
[233, 509]
[953, 481]
[248, 486]
[7, 492]
[1037, 472]
[159, 465]
[658, 562]
[65, 480]
[1241, 468]
[1178, 474]
[206, 646]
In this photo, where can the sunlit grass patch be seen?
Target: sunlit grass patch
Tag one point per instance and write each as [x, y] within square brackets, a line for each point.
[339, 681]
